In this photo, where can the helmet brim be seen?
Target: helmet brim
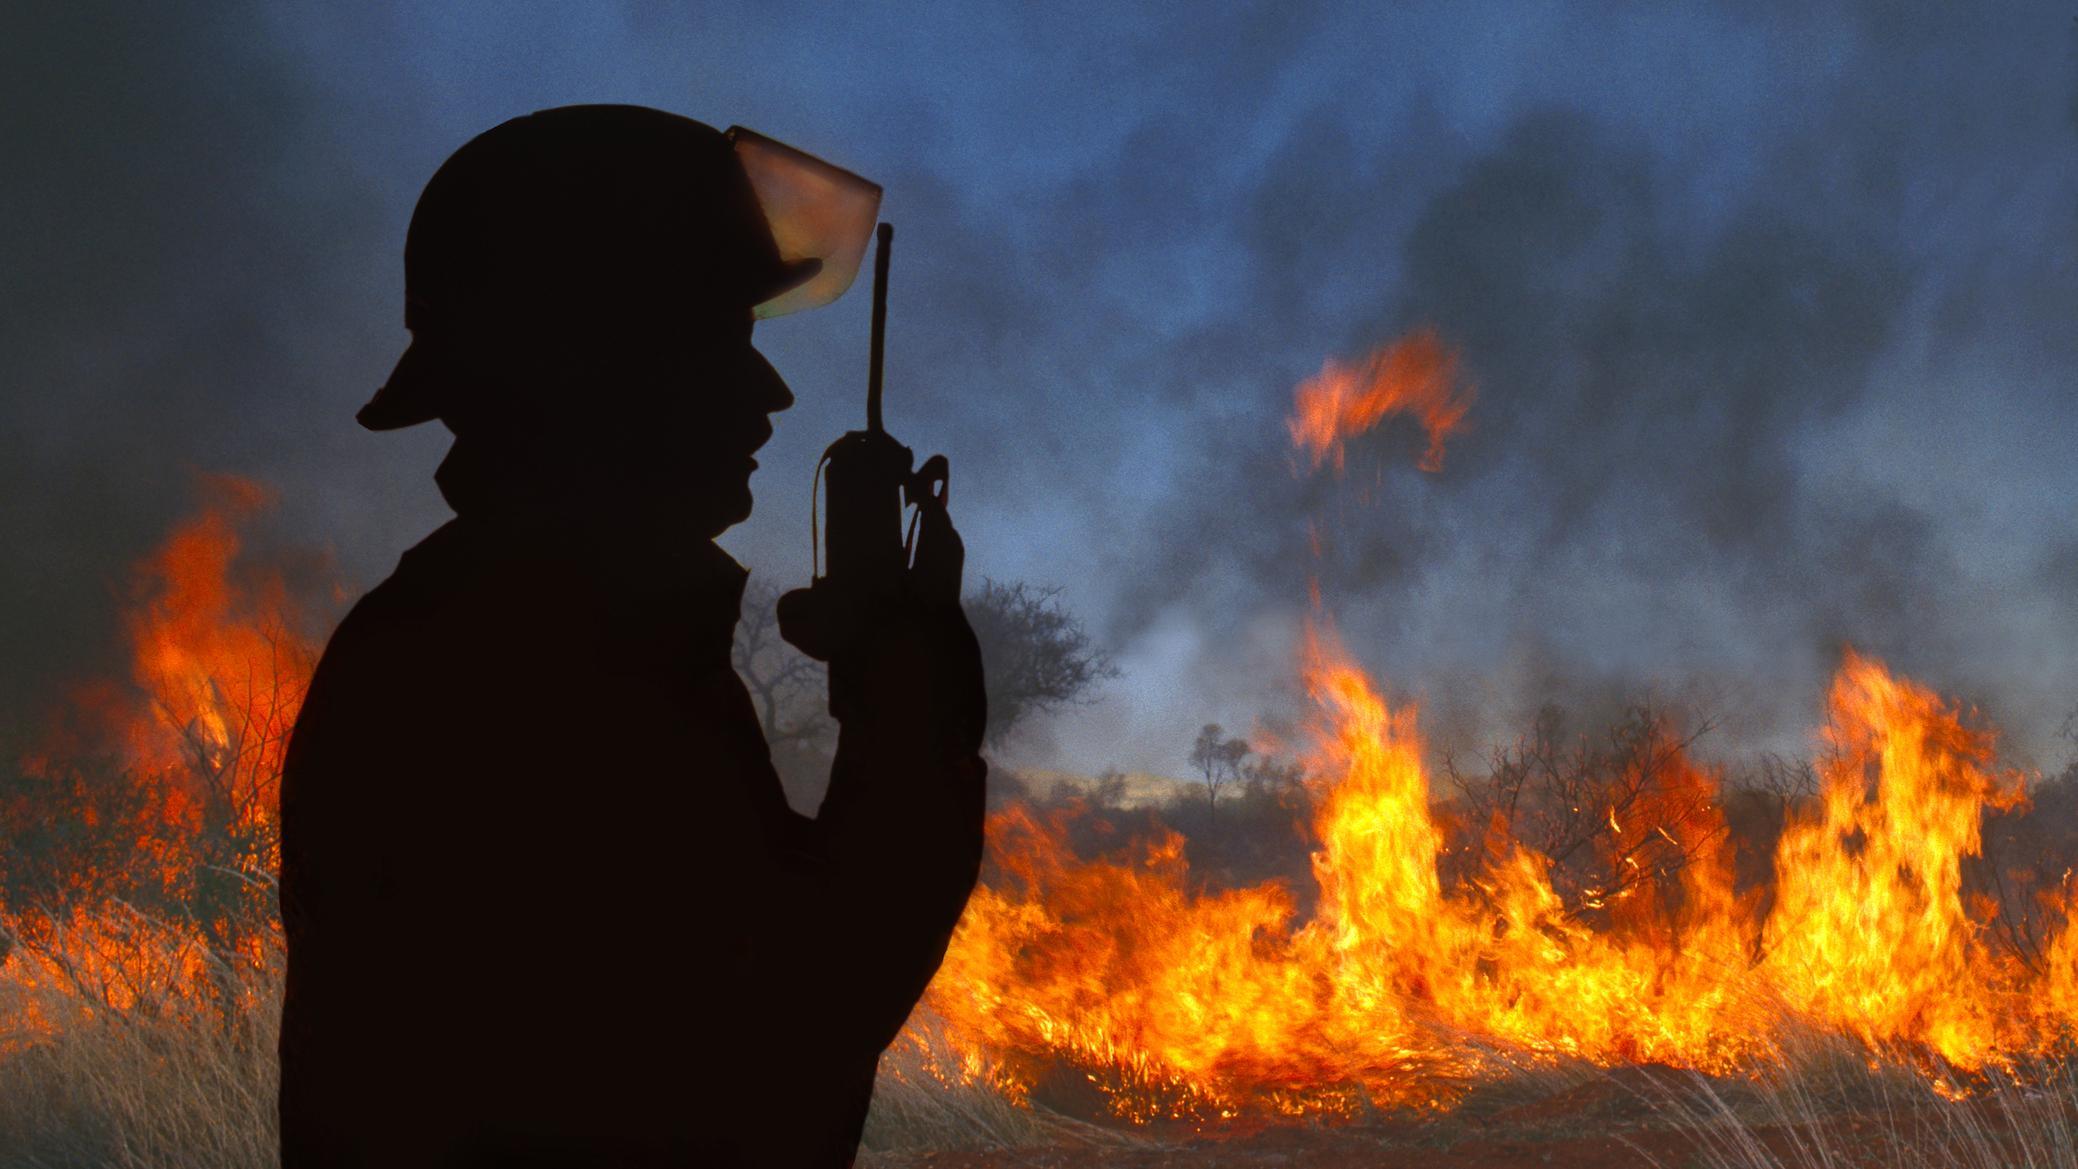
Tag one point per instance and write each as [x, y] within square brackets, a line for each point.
[410, 396]
[416, 389]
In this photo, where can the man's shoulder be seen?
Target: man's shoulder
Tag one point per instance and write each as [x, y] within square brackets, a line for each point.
[444, 603]
[485, 611]
[477, 561]
[461, 575]
[463, 636]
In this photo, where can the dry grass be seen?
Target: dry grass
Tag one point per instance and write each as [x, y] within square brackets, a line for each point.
[171, 1085]
[1831, 1105]
[164, 1086]
[919, 1106]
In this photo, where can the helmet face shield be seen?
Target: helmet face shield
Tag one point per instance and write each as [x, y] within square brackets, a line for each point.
[815, 211]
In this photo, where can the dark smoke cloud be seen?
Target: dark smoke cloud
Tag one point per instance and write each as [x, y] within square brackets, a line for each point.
[1769, 314]
[190, 264]
[127, 208]
[1663, 367]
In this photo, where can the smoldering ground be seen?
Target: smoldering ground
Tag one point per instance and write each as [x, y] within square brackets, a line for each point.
[1768, 314]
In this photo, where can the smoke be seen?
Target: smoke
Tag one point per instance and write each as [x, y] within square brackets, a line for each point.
[1706, 446]
[1768, 315]
[131, 201]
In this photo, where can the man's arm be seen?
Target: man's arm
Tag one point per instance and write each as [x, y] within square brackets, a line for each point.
[886, 866]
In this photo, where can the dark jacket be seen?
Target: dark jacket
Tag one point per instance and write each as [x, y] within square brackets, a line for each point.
[544, 899]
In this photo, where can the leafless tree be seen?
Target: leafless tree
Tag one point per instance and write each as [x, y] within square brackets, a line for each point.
[1219, 759]
[1035, 655]
[2025, 866]
[790, 691]
[787, 686]
[1610, 815]
[1110, 789]
[1786, 783]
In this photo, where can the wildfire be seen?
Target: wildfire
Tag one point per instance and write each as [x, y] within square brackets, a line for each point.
[1869, 931]
[1400, 986]
[1210, 1003]
[153, 801]
[1424, 948]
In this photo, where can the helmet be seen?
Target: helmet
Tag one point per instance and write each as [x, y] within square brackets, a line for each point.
[583, 224]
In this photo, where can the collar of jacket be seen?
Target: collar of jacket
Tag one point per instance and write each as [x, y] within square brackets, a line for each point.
[659, 593]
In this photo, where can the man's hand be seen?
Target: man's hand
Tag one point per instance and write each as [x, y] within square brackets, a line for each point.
[906, 671]
[918, 679]
[906, 666]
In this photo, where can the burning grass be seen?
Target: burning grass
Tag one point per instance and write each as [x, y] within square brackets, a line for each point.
[1590, 949]
[186, 1088]
[1399, 989]
[155, 1072]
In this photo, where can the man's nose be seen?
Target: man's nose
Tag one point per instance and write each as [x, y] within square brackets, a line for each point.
[768, 389]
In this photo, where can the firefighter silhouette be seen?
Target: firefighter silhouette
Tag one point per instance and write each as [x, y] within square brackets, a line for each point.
[545, 902]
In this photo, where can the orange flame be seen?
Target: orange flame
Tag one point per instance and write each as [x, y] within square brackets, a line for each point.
[1869, 932]
[1423, 957]
[1206, 1004]
[218, 655]
[167, 787]
[1401, 984]
[1415, 375]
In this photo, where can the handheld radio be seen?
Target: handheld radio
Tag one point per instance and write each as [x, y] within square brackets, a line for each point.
[868, 562]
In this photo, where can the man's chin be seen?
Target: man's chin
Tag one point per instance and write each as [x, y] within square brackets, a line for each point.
[724, 509]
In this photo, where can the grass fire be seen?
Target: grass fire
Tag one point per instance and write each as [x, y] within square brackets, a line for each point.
[1578, 911]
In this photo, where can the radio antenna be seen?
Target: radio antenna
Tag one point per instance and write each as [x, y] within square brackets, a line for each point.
[886, 237]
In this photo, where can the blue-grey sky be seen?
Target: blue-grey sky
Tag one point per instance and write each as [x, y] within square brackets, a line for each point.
[1770, 309]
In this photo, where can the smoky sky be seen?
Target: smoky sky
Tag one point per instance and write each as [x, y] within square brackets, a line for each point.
[1768, 311]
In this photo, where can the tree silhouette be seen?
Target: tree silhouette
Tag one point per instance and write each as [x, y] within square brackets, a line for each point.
[1218, 758]
[1035, 656]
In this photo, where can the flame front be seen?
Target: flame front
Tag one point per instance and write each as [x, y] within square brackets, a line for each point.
[1400, 988]
[1427, 953]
